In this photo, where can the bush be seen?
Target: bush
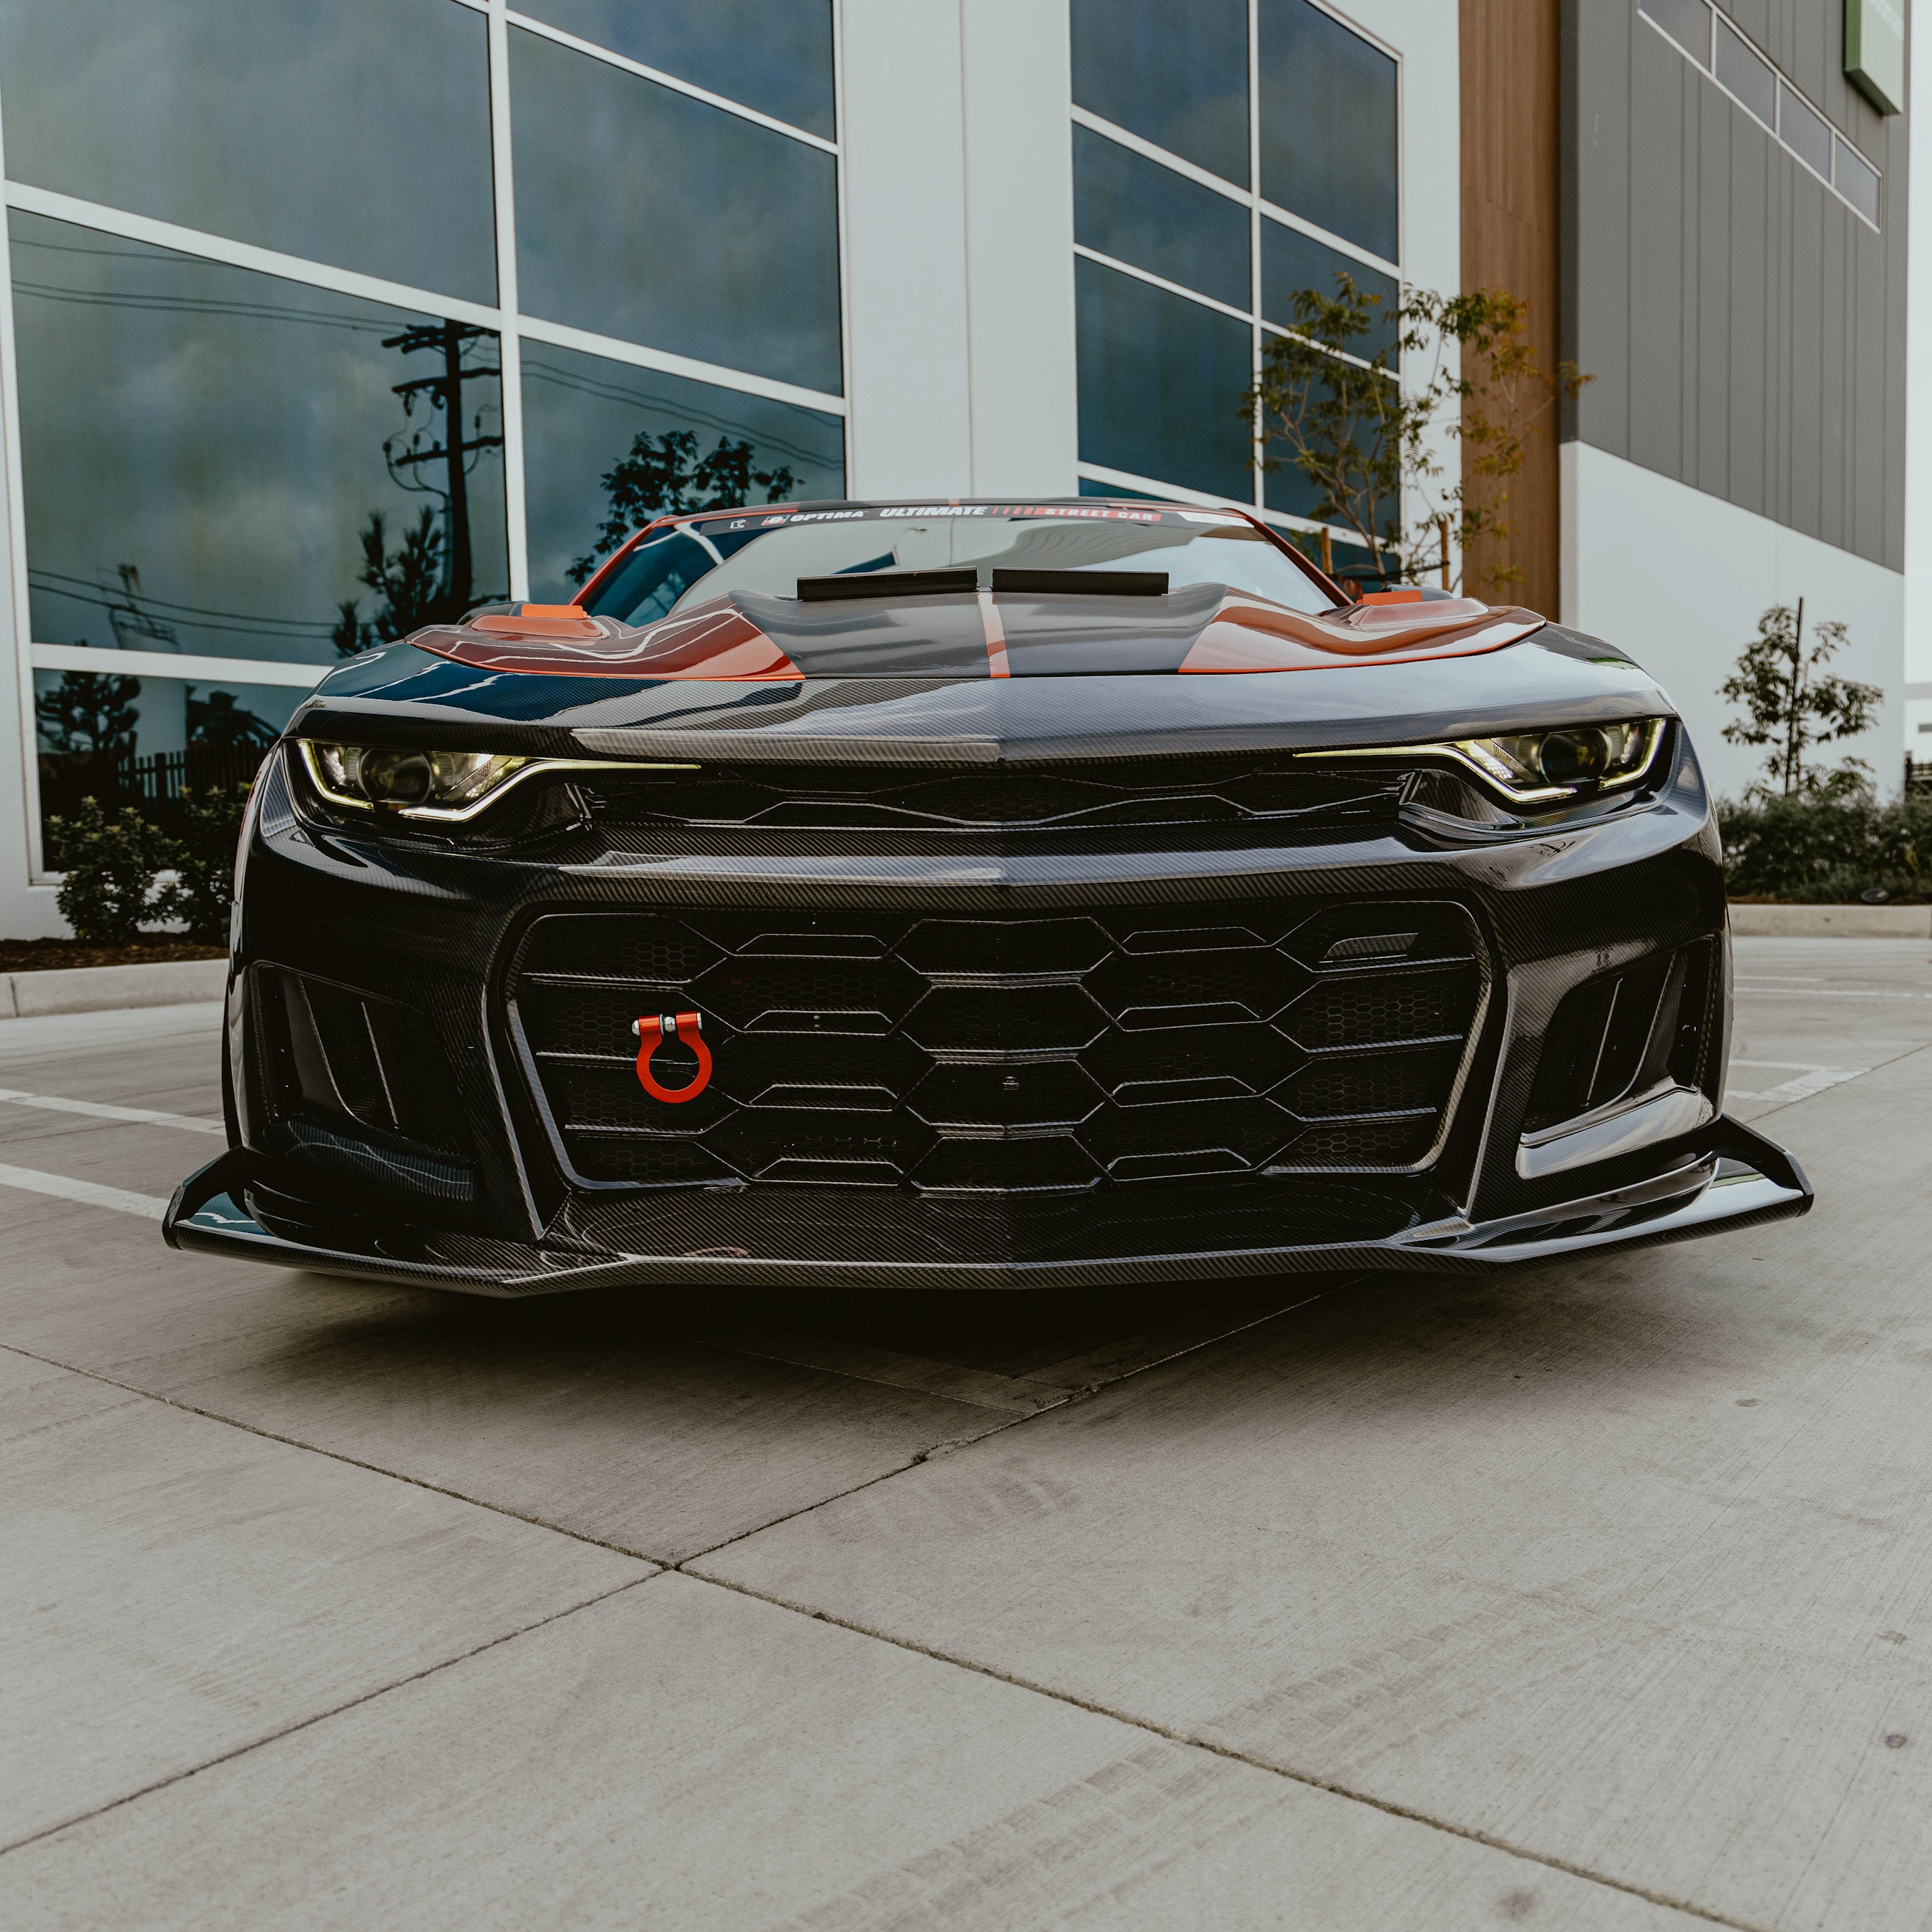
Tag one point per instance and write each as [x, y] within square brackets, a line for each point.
[1828, 851]
[110, 865]
[204, 863]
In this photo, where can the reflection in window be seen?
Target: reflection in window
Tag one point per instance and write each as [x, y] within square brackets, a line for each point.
[226, 464]
[1328, 135]
[1134, 209]
[356, 133]
[1291, 260]
[1160, 378]
[587, 420]
[772, 55]
[1178, 78]
[143, 741]
[651, 217]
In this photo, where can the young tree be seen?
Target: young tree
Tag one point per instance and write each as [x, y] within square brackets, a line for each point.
[1792, 706]
[665, 476]
[1365, 440]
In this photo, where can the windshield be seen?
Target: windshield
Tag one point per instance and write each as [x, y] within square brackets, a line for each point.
[768, 552]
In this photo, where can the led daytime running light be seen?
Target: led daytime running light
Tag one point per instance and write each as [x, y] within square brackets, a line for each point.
[1515, 763]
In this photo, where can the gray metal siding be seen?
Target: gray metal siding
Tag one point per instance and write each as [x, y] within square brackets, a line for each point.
[1746, 330]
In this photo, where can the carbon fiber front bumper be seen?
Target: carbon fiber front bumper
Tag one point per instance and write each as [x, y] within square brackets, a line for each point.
[1724, 1176]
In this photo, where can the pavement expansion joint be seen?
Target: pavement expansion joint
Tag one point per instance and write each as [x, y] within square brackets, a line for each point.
[952, 1444]
[334, 1710]
[1192, 1740]
[337, 1456]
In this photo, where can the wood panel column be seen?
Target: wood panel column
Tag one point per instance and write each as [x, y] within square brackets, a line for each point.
[1510, 241]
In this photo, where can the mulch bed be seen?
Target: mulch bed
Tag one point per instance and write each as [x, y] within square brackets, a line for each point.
[40, 955]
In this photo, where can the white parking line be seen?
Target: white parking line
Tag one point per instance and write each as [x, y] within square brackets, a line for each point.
[100, 1110]
[1807, 1079]
[1824, 992]
[63, 1188]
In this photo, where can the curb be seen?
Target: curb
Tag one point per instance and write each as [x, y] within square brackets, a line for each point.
[1832, 921]
[88, 989]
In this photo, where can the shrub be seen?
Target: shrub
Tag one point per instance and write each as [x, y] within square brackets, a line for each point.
[204, 863]
[110, 865]
[1828, 851]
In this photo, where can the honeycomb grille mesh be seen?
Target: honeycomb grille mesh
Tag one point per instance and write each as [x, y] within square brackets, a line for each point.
[1008, 1054]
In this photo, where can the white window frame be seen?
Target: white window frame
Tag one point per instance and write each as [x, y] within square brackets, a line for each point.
[1259, 208]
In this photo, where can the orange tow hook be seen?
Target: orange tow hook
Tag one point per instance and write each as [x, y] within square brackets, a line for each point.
[651, 1032]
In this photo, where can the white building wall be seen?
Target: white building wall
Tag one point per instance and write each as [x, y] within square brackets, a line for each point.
[1677, 579]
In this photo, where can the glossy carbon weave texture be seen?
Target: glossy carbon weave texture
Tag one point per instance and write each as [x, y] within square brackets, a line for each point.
[1021, 957]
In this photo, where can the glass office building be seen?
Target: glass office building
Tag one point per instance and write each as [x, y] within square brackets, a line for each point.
[320, 319]
[329, 316]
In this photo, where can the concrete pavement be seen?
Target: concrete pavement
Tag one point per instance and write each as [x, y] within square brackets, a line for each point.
[1599, 1595]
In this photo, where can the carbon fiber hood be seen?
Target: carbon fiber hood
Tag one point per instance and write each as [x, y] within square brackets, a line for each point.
[402, 693]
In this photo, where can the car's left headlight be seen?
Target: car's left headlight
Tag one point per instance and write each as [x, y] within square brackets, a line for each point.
[418, 784]
[1537, 767]
[444, 788]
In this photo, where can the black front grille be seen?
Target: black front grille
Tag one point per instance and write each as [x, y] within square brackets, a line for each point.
[1252, 789]
[1018, 1055]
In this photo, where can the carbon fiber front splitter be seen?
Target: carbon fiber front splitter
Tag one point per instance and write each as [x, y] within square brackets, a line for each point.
[1723, 1177]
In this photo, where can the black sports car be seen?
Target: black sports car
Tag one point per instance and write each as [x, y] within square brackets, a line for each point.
[975, 894]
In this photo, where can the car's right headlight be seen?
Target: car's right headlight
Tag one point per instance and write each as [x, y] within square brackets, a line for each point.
[1532, 768]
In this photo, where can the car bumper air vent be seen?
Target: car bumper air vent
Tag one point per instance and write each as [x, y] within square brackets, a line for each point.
[1629, 1033]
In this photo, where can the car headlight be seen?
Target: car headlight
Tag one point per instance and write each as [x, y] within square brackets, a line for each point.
[1539, 767]
[445, 787]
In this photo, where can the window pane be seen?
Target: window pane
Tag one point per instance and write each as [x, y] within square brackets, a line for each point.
[646, 215]
[1088, 487]
[1328, 125]
[141, 741]
[1857, 180]
[1128, 206]
[1176, 77]
[1688, 23]
[1161, 382]
[1287, 489]
[356, 133]
[1804, 130]
[772, 55]
[1291, 260]
[584, 417]
[208, 452]
[1747, 74]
